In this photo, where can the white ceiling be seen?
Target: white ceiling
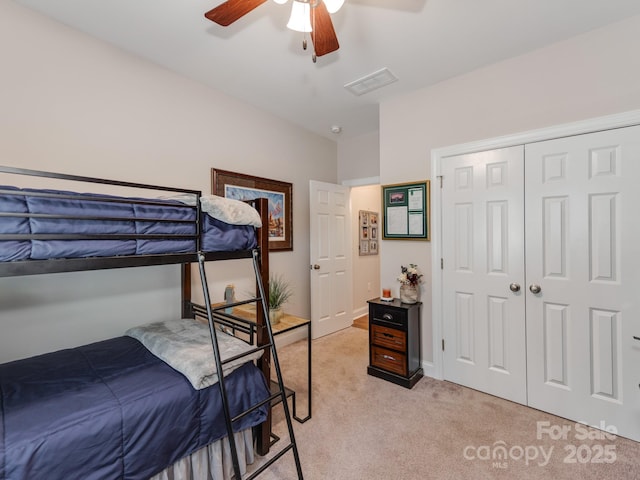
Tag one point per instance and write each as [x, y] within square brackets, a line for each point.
[259, 60]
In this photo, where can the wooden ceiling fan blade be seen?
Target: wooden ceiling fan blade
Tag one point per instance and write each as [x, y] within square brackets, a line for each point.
[323, 34]
[228, 12]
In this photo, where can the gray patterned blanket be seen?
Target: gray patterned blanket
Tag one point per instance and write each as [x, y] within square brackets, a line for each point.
[185, 345]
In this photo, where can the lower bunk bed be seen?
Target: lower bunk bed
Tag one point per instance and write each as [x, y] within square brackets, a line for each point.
[114, 410]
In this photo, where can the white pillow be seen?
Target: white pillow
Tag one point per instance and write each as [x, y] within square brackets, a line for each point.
[225, 209]
[230, 211]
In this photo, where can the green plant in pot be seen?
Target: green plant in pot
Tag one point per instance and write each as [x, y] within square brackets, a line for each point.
[279, 293]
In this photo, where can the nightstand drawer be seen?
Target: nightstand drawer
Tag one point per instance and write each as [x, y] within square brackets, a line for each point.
[388, 360]
[388, 337]
[392, 317]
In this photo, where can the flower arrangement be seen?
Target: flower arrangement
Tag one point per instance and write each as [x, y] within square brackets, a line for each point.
[410, 275]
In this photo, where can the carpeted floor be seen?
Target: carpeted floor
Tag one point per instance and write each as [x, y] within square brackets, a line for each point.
[366, 428]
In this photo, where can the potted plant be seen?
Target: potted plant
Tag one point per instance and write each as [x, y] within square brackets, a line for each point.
[279, 293]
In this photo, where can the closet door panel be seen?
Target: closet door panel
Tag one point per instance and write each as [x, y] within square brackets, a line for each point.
[582, 250]
[484, 326]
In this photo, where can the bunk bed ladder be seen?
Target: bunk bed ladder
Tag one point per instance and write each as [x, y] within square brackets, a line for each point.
[279, 394]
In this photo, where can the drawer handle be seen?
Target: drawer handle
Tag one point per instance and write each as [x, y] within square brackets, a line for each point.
[387, 316]
[388, 357]
[393, 337]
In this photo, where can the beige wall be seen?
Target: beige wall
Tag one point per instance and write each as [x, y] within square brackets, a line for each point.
[359, 158]
[366, 268]
[591, 75]
[73, 104]
[359, 166]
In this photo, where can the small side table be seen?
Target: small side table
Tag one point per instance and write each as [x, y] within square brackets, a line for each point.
[286, 324]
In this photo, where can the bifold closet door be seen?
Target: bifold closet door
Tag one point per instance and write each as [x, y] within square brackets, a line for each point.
[483, 272]
[583, 278]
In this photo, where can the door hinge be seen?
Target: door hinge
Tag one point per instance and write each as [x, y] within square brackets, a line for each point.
[441, 263]
[443, 344]
[439, 177]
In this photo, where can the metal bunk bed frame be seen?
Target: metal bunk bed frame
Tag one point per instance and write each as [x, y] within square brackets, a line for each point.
[261, 328]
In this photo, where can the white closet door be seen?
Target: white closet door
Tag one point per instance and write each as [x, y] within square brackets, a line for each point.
[484, 320]
[583, 251]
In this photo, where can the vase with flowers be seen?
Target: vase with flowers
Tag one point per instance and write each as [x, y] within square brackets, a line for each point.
[409, 278]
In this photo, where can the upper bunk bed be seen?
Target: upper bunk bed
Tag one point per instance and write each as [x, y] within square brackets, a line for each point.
[50, 231]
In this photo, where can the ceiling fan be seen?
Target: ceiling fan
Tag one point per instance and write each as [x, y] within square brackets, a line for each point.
[314, 16]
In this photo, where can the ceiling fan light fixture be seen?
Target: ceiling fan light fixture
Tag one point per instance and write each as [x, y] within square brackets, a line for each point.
[281, 2]
[300, 20]
[333, 5]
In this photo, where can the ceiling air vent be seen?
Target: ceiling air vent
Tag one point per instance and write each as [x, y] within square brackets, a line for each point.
[370, 82]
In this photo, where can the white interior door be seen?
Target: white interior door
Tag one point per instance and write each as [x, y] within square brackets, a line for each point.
[583, 251]
[483, 260]
[330, 262]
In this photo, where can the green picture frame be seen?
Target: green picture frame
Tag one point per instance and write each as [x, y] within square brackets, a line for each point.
[406, 211]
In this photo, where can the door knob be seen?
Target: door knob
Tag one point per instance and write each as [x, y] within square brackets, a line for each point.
[514, 287]
[535, 288]
[315, 266]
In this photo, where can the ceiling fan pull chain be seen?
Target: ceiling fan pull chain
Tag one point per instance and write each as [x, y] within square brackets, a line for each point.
[313, 29]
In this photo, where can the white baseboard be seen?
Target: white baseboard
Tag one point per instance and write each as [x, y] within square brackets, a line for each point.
[360, 312]
[430, 370]
[290, 337]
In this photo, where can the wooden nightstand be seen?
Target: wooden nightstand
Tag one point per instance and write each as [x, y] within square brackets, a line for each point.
[394, 341]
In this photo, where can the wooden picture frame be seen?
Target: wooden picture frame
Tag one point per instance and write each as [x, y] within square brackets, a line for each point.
[406, 211]
[368, 232]
[247, 187]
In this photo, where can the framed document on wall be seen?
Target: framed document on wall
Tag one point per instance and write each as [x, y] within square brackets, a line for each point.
[405, 211]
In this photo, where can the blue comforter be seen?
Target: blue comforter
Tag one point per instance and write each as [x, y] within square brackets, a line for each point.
[117, 216]
[110, 410]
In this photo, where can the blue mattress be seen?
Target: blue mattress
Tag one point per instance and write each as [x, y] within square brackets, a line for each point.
[111, 410]
[129, 218]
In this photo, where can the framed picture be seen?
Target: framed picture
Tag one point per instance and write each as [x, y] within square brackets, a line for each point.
[247, 187]
[405, 211]
[368, 228]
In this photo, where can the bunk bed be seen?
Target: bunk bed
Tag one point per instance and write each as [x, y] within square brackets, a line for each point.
[114, 409]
